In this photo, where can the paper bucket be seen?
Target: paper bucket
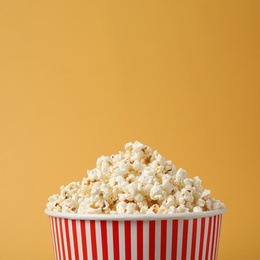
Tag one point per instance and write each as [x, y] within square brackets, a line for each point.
[182, 236]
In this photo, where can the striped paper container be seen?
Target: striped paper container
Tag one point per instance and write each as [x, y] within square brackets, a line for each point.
[183, 236]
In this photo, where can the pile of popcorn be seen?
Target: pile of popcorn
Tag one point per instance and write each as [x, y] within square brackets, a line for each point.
[137, 181]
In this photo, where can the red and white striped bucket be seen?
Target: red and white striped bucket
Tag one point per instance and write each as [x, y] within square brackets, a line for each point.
[183, 236]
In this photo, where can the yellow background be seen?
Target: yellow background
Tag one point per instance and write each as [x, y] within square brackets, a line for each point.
[79, 79]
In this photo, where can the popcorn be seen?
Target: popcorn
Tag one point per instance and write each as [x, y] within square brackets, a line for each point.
[137, 181]
[197, 209]
[156, 192]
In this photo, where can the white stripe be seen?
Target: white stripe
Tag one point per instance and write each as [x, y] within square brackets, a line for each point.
[88, 239]
[211, 236]
[169, 240]
[99, 240]
[53, 240]
[215, 237]
[71, 239]
[79, 239]
[189, 238]
[57, 238]
[158, 239]
[64, 238]
[134, 239]
[219, 229]
[121, 227]
[198, 239]
[146, 240]
[179, 243]
[205, 237]
[110, 247]
[59, 235]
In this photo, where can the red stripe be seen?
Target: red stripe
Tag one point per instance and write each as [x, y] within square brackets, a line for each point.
[174, 238]
[213, 238]
[74, 230]
[194, 237]
[57, 236]
[151, 240]
[208, 238]
[128, 240]
[83, 238]
[54, 237]
[140, 240]
[116, 240]
[163, 239]
[93, 239]
[185, 239]
[68, 238]
[62, 239]
[202, 233]
[103, 225]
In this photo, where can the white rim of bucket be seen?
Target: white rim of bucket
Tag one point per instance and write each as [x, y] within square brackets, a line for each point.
[134, 217]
